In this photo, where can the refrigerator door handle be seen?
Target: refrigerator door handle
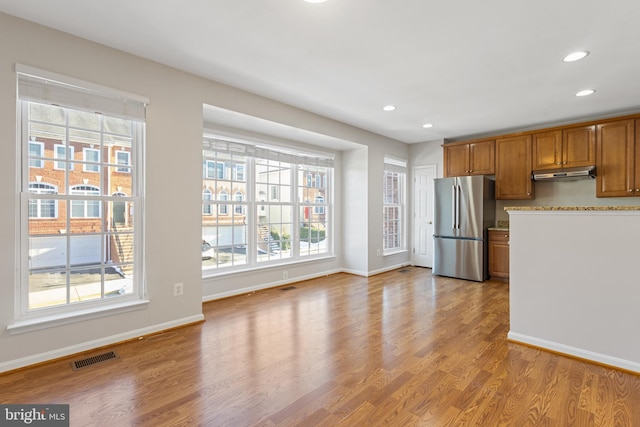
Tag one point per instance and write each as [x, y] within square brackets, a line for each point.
[454, 207]
[459, 191]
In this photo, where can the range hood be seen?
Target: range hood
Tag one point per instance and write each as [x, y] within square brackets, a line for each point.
[564, 174]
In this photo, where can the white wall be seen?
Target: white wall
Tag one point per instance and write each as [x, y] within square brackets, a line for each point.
[354, 206]
[574, 283]
[172, 222]
[428, 153]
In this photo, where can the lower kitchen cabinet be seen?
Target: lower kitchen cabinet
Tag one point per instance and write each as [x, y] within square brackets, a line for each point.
[499, 255]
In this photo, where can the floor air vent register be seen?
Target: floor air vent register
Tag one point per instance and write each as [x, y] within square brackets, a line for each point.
[90, 361]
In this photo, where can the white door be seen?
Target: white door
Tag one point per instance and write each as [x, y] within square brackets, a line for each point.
[422, 254]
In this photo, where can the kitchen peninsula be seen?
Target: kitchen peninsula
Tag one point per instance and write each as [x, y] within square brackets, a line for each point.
[575, 281]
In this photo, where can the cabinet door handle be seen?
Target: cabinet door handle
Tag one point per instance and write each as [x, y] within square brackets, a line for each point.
[631, 190]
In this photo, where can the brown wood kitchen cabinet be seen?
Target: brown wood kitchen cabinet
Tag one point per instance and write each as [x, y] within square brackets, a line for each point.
[499, 255]
[564, 148]
[469, 158]
[513, 168]
[618, 159]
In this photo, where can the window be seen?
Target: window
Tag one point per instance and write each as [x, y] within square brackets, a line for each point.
[207, 197]
[278, 212]
[61, 153]
[123, 159]
[42, 208]
[36, 150]
[318, 209]
[223, 209]
[71, 256]
[239, 172]
[239, 207]
[88, 208]
[393, 224]
[92, 158]
[314, 218]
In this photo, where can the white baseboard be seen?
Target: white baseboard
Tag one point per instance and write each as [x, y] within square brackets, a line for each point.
[262, 286]
[89, 345]
[580, 353]
[390, 268]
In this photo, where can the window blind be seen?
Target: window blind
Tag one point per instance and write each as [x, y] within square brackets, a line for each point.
[266, 152]
[395, 165]
[50, 88]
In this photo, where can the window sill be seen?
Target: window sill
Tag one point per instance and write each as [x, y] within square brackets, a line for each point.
[50, 321]
[247, 269]
[395, 252]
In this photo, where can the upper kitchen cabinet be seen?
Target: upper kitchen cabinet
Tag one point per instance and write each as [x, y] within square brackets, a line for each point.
[469, 158]
[513, 168]
[564, 148]
[618, 159]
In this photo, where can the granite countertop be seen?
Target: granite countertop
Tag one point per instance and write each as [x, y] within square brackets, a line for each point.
[572, 208]
[500, 226]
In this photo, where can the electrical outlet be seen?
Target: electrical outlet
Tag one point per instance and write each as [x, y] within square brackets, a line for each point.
[378, 252]
[285, 274]
[178, 289]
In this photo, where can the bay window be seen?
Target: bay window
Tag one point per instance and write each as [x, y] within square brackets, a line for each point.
[274, 208]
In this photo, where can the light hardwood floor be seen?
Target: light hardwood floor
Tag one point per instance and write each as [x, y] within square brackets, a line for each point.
[401, 348]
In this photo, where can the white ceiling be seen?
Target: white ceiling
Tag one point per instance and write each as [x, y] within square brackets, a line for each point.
[471, 68]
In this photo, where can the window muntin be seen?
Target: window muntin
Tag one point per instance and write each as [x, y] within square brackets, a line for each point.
[76, 232]
[265, 222]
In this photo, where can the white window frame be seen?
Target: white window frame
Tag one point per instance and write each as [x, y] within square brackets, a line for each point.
[238, 206]
[223, 208]
[44, 87]
[126, 166]
[207, 198]
[37, 163]
[62, 159]
[319, 210]
[43, 188]
[239, 172]
[87, 204]
[394, 242]
[91, 165]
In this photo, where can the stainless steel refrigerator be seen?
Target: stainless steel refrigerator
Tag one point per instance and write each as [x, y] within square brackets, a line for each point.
[464, 210]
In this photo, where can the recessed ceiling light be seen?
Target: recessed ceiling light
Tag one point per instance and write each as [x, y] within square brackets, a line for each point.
[427, 125]
[315, 1]
[576, 56]
[389, 107]
[585, 92]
